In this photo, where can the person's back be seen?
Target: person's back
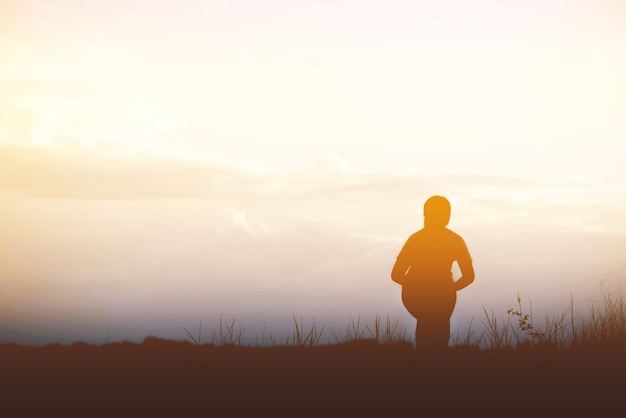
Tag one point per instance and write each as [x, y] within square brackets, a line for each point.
[424, 269]
[430, 253]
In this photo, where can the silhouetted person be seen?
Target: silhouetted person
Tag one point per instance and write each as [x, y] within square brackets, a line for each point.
[424, 269]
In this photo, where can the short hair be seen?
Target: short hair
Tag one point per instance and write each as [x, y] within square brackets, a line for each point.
[436, 211]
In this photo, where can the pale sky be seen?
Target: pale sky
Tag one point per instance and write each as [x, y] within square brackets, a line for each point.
[164, 161]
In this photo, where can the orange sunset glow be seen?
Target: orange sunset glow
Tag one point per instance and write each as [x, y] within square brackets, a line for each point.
[165, 163]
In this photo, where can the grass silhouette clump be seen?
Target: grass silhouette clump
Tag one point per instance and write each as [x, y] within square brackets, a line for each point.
[382, 331]
[605, 324]
[226, 334]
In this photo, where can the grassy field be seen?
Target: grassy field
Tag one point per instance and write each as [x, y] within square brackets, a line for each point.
[565, 365]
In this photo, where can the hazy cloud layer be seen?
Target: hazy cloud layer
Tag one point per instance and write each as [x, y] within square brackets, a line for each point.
[93, 243]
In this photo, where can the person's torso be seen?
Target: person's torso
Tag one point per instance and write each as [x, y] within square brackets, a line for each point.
[430, 253]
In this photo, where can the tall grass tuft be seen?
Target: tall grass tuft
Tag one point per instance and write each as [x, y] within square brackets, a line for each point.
[302, 338]
[469, 340]
[195, 341]
[605, 323]
[226, 334]
[387, 332]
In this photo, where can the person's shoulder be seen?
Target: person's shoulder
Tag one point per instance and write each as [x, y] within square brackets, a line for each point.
[453, 235]
[415, 236]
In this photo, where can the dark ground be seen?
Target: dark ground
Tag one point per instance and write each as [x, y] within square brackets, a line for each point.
[169, 378]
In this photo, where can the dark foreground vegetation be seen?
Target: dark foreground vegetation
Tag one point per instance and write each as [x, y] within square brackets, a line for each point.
[169, 378]
[538, 376]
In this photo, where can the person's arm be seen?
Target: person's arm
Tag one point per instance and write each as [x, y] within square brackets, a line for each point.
[402, 264]
[467, 273]
[400, 268]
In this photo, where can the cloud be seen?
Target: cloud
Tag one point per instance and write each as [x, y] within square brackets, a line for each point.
[126, 239]
[77, 172]
[240, 219]
[331, 194]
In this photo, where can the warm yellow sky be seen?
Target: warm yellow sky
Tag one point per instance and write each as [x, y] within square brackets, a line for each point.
[494, 88]
[159, 156]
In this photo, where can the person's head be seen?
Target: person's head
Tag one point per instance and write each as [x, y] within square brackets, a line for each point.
[436, 212]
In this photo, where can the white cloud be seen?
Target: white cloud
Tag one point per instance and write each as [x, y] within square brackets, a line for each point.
[240, 219]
